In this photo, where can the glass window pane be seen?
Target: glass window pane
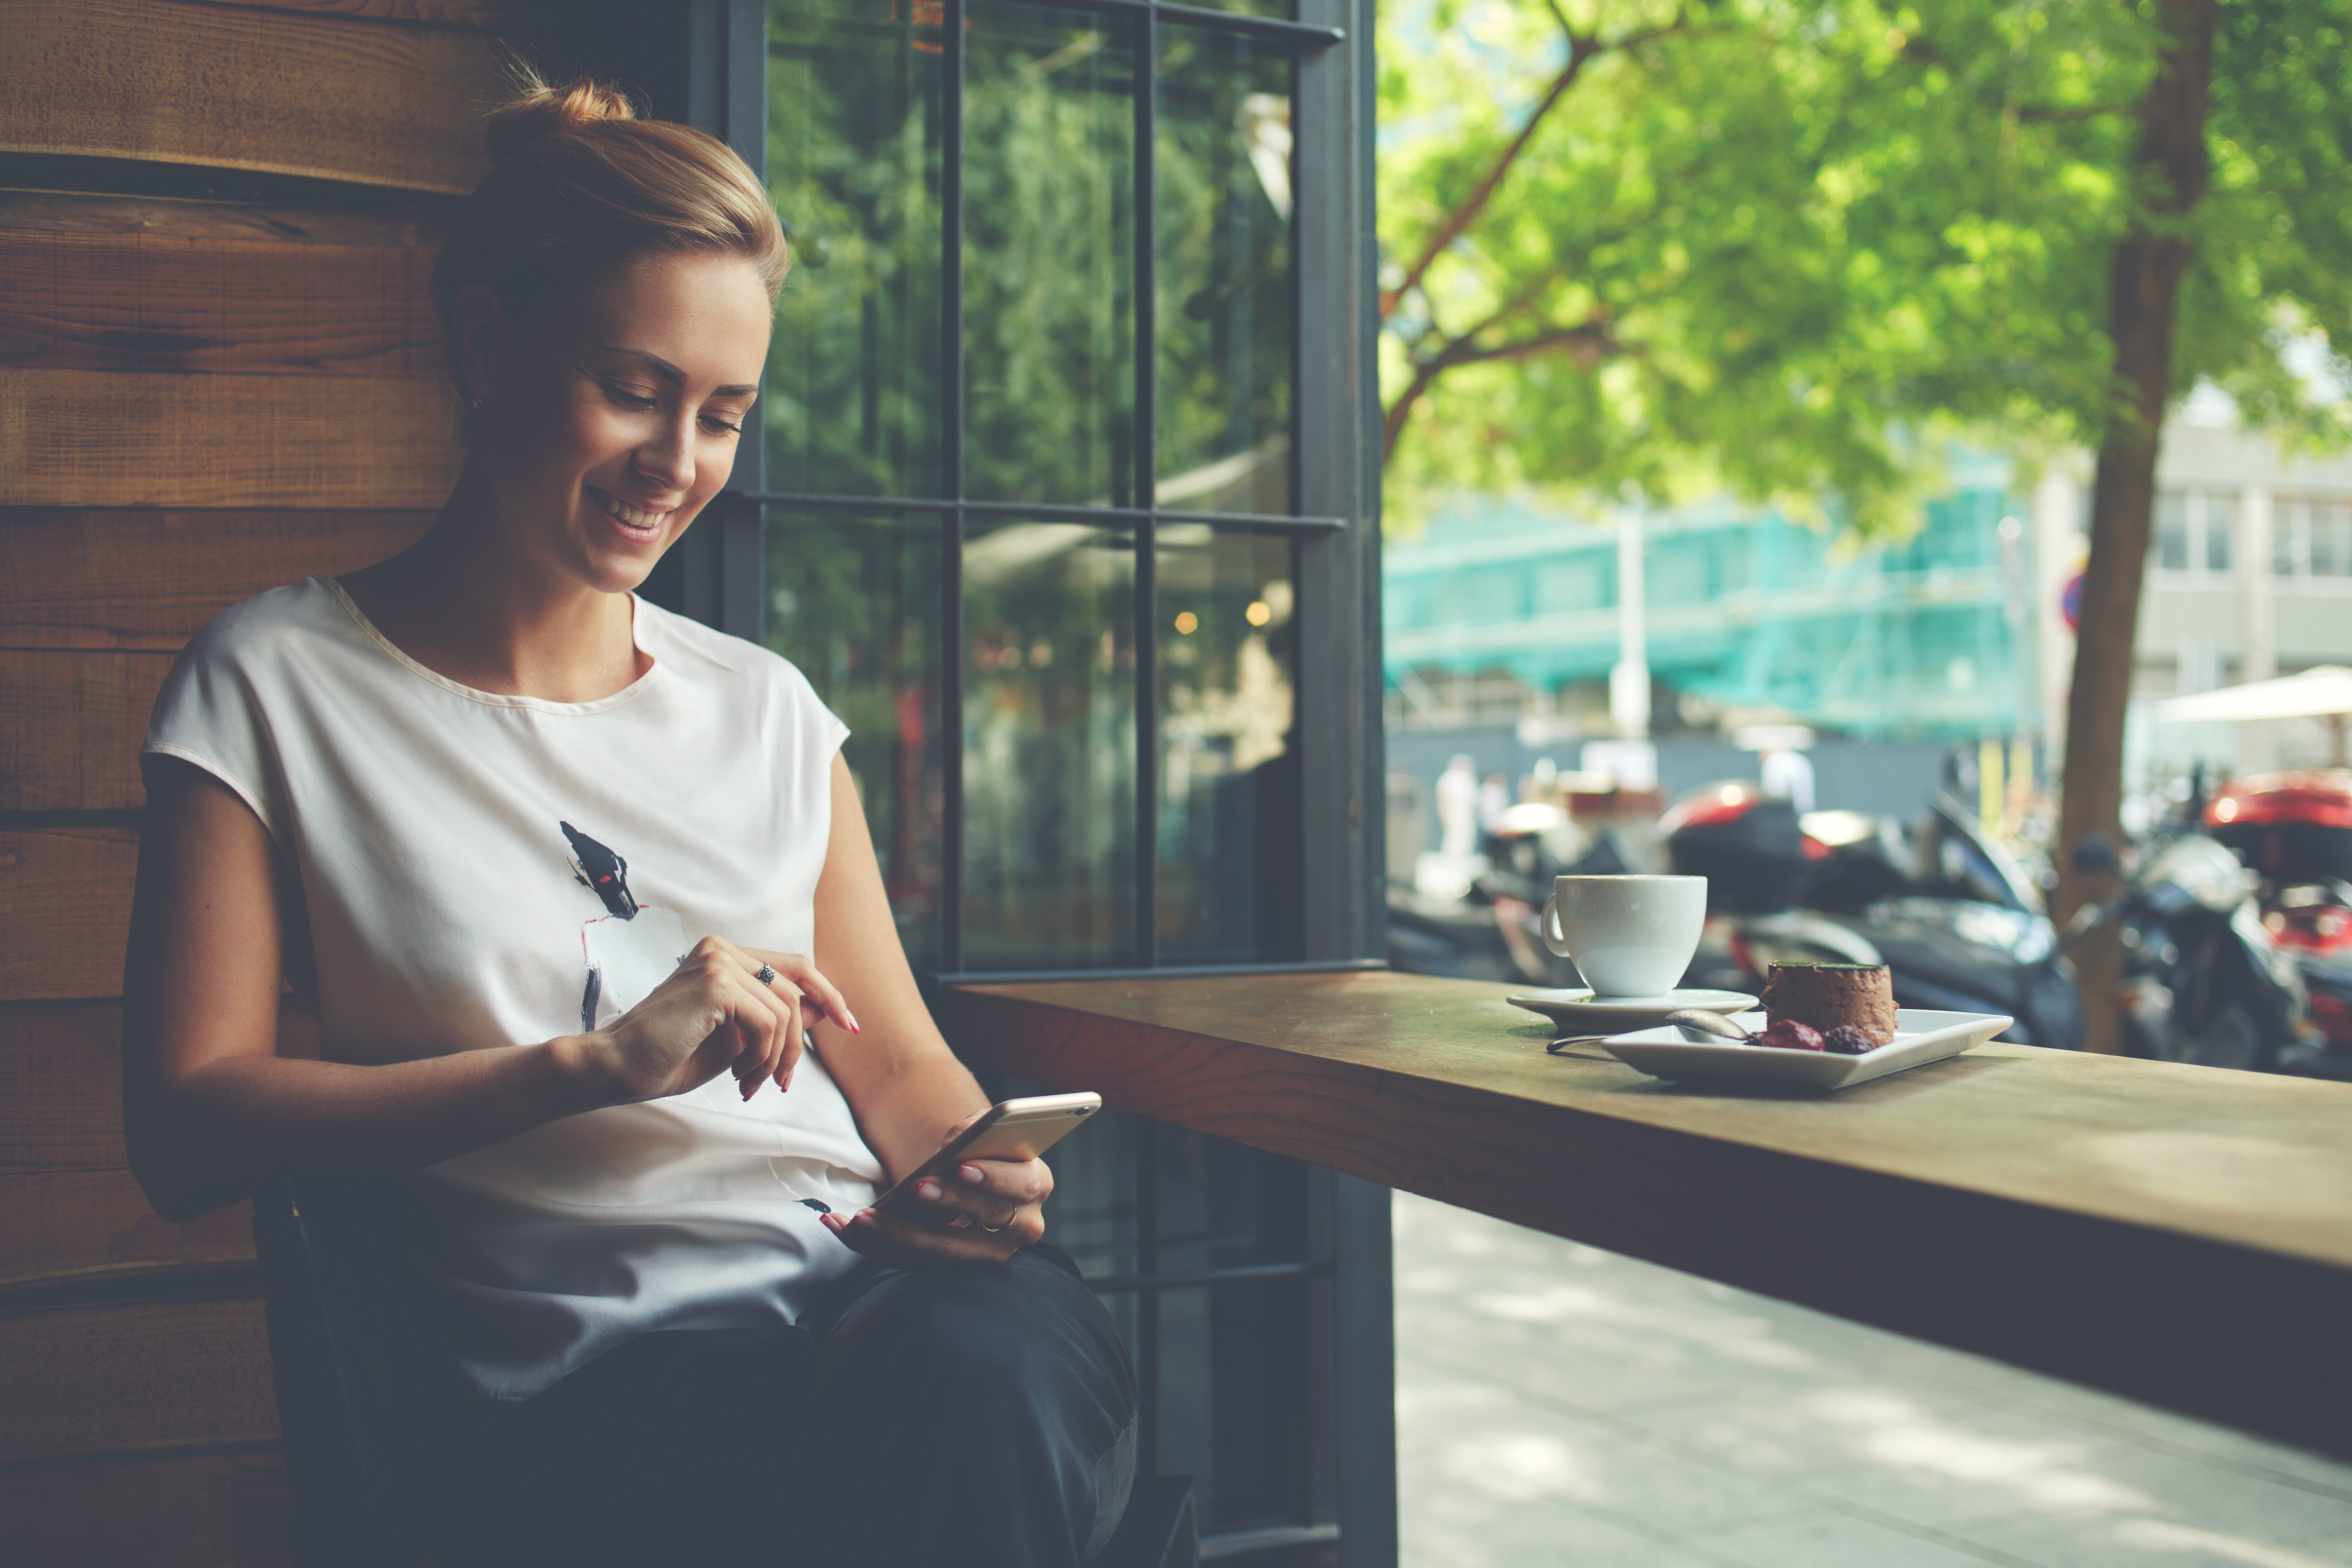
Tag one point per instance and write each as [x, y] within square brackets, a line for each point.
[853, 398]
[1225, 1205]
[1233, 1357]
[1286, 10]
[1233, 1400]
[1049, 256]
[1049, 746]
[854, 603]
[2171, 529]
[1223, 182]
[2220, 524]
[1229, 829]
[2289, 539]
[2331, 539]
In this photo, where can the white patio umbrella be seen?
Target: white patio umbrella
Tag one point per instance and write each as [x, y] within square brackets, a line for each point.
[2323, 691]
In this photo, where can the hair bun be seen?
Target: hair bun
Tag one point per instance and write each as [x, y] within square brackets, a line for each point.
[540, 109]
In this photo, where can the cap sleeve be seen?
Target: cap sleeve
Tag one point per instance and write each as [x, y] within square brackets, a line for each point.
[821, 729]
[210, 715]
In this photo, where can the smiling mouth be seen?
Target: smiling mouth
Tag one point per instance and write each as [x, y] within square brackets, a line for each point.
[620, 511]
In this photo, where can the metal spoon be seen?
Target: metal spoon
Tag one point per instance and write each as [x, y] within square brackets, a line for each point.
[1698, 1022]
[1562, 1047]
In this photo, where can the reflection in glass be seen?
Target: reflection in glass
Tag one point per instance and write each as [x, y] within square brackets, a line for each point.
[1223, 1206]
[1049, 256]
[1229, 834]
[1239, 1431]
[1223, 173]
[854, 603]
[1049, 746]
[853, 391]
[1285, 10]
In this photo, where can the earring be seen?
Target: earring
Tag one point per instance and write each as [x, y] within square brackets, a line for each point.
[474, 401]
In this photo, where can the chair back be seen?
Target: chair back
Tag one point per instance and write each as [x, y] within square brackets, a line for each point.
[1159, 1529]
[357, 1378]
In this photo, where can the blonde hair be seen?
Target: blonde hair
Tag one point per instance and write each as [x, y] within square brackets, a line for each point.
[579, 185]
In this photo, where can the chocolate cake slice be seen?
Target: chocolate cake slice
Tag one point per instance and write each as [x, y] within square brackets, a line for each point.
[1832, 995]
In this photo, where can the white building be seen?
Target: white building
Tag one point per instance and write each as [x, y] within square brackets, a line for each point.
[2249, 576]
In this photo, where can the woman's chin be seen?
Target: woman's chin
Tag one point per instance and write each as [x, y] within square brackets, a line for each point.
[611, 570]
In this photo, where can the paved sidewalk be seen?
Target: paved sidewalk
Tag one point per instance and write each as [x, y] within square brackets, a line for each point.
[1558, 1404]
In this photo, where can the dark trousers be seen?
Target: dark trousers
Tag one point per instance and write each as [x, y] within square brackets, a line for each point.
[974, 1416]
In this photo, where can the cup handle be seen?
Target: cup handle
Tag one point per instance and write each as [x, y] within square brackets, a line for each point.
[1548, 929]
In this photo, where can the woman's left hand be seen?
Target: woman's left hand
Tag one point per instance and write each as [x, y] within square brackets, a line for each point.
[980, 1212]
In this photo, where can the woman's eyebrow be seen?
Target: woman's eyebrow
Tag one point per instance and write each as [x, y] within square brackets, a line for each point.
[672, 374]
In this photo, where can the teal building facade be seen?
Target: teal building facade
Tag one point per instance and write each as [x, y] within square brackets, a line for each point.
[1925, 639]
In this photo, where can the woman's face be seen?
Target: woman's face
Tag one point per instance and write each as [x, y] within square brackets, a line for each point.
[610, 422]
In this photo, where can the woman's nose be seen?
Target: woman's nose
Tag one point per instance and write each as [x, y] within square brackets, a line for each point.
[667, 459]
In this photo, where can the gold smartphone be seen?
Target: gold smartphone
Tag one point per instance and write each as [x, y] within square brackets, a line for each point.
[1008, 1130]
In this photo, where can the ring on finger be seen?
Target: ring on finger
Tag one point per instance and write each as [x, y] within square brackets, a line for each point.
[991, 1230]
[766, 975]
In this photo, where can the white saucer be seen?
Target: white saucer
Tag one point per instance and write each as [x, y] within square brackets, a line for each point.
[1580, 1009]
[1920, 1037]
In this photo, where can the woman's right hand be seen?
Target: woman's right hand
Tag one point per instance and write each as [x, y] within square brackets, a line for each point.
[712, 1014]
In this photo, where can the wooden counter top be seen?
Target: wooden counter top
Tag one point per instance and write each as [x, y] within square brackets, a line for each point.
[2180, 1235]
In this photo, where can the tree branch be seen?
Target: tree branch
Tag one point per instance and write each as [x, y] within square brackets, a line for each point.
[2033, 114]
[1589, 341]
[1582, 49]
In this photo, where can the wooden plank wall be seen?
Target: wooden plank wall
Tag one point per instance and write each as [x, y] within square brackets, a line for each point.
[199, 399]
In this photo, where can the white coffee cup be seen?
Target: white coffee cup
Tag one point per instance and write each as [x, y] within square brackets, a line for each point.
[1628, 936]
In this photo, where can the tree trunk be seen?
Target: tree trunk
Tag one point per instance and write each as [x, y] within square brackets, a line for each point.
[2171, 169]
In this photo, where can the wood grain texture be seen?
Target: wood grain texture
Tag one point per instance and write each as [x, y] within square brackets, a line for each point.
[2107, 1220]
[328, 96]
[68, 1208]
[491, 15]
[147, 579]
[424, 225]
[140, 1376]
[60, 1227]
[60, 1087]
[103, 438]
[184, 1511]
[258, 307]
[66, 893]
[71, 725]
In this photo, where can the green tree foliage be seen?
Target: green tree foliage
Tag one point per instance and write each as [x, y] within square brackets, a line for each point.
[1787, 246]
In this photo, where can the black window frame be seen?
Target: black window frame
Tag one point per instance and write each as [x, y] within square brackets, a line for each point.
[705, 62]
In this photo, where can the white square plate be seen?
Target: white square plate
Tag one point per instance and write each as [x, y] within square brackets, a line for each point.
[1920, 1037]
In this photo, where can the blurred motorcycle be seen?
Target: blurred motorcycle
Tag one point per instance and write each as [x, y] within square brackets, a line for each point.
[2202, 980]
[2294, 831]
[1949, 911]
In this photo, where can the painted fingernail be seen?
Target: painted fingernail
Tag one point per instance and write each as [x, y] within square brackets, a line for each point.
[929, 1191]
[830, 1222]
[970, 1176]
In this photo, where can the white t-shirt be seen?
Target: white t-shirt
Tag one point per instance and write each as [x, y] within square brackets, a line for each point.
[480, 871]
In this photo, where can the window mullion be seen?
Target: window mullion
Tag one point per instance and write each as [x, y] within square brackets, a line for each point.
[1147, 472]
[951, 481]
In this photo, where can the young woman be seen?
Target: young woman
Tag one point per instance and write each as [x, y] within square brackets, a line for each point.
[582, 898]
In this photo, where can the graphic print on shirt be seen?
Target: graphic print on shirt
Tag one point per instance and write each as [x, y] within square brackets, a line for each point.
[630, 947]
